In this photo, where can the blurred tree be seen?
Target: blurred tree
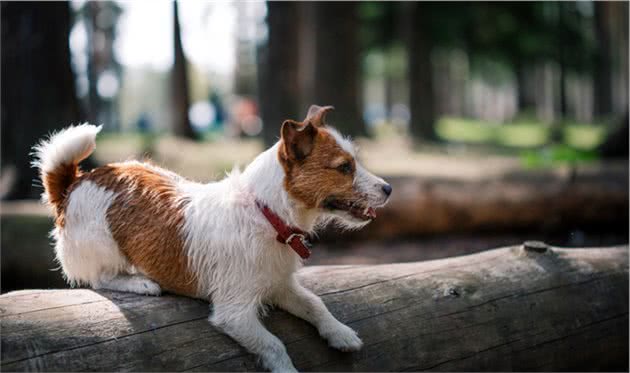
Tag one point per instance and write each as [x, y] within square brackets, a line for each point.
[523, 35]
[101, 18]
[245, 66]
[562, 39]
[180, 99]
[38, 86]
[337, 68]
[616, 143]
[380, 30]
[603, 59]
[419, 45]
[279, 90]
[512, 33]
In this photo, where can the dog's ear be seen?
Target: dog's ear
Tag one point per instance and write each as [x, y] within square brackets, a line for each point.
[297, 139]
[317, 115]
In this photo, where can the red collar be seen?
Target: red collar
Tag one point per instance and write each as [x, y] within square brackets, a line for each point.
[294, 237]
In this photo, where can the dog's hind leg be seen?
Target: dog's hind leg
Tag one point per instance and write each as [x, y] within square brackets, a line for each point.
[302, 303]
[240, 321]
[130, 283]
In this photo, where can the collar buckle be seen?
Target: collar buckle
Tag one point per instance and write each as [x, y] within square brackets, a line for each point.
[302, 238]
[301, 247]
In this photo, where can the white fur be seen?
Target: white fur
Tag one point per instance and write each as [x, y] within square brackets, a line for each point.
[85, 247]
[370, 185]
[343, 142]
[241, 265]
[68, 146]
[130, 283]
[231, 247]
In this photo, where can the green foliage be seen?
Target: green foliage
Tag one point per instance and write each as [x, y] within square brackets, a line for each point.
[378, 24]
[465, 130]
[508, 33]
[556, 155]
[524, 133]
[584, 136]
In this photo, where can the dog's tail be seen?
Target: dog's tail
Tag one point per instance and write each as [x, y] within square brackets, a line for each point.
[58, 157]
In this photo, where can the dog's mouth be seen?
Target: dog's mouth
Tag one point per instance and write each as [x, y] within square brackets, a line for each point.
[356, 209]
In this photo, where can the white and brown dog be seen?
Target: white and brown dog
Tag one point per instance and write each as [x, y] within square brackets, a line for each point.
[138, 228]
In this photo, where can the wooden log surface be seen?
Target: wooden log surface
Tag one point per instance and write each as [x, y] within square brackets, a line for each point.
[504, 309]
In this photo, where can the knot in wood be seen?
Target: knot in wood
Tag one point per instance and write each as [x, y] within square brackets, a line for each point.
[535, 246]
[453, 292]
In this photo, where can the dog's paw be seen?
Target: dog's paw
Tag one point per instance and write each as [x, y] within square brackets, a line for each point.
[150, 288]
[280, 363]
[284, 369]
[144, 286]
[342, 337]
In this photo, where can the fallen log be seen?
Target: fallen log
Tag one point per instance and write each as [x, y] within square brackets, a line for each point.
[531, 200]
[592, 200]
[524, 308]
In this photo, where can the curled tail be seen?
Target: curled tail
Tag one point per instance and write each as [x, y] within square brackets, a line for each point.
[58, 157]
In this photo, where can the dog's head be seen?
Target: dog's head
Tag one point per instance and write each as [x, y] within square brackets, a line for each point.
[322, 172]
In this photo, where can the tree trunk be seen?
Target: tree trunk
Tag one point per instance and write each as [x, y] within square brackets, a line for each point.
[38, 86]
[616, 143]
[521, 87]
[94, 62]
[101, 18]
[422, 126]
[555, 135]
[520, 308]
[388, 80]
[279, 91]
[180, 99]
[337, 65]
[603, 60]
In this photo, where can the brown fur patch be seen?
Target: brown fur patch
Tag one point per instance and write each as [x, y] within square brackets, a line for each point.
[56, 184]
[312, 179]
[146, 219]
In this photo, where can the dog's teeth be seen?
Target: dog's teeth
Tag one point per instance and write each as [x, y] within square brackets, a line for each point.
[371, 213]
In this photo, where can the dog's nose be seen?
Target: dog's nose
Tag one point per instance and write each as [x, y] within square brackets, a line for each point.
[387, 189]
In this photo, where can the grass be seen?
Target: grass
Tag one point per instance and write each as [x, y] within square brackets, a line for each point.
[465, 130]
[522, 134]
[584, 136]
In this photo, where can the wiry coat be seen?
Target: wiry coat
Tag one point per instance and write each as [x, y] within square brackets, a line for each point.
[136, 227]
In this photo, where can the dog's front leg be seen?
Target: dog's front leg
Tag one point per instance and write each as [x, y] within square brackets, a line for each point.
[302, 303]
[242, 324]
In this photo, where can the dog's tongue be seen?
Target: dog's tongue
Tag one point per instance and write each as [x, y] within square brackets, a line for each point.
[371, 213]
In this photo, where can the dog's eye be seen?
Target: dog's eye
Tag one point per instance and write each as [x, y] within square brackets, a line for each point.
[345, 168]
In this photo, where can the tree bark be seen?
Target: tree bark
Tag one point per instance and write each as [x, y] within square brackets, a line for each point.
[38, 86]
[521, 308]
[279, 91]
[180, 98]
[422, 126]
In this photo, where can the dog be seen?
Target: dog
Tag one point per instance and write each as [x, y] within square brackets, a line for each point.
[238, 242]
